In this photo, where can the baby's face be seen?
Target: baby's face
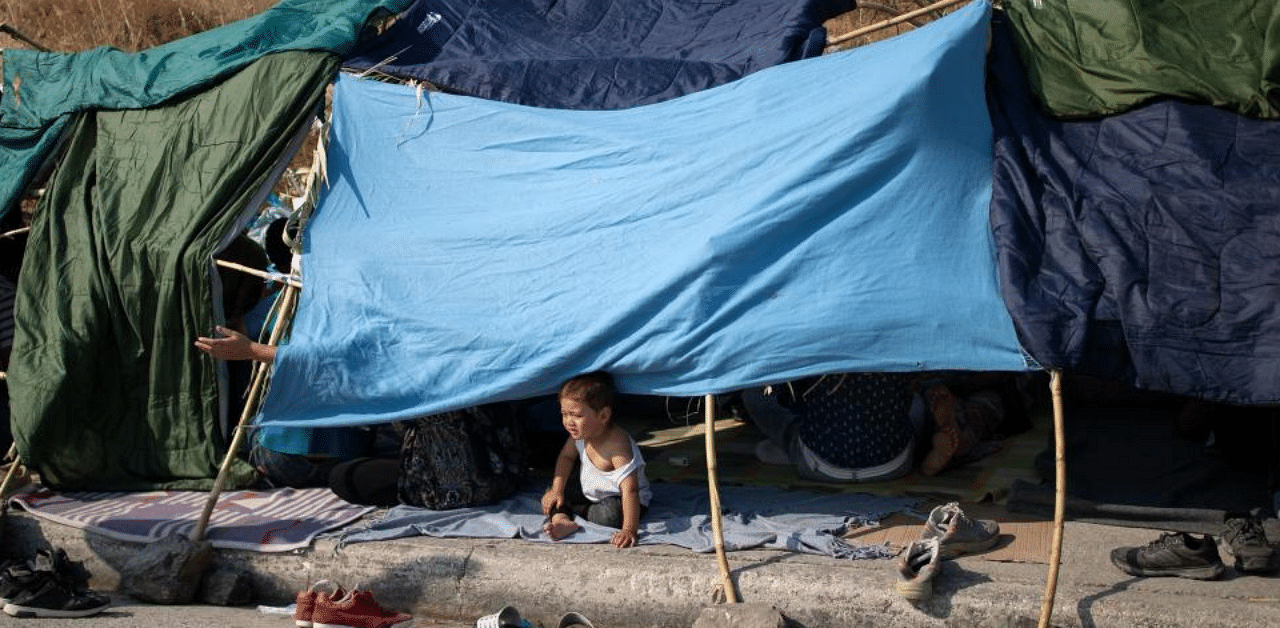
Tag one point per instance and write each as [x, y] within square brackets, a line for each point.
[581, 421]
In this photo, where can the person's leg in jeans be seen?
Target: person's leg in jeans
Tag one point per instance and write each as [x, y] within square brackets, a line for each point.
[291, 470]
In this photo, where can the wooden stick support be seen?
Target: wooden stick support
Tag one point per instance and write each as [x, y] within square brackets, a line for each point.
[13, 32]
[8, 477]
[835, 41]
[288, 280]
[283, 306]
[1059, 498]
[713, 488]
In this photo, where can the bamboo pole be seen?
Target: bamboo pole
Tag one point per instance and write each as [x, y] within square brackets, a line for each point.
[287, 280]
[13, 32]
[713, 488]
[8, 477]
[284, 305]
[1059, 499]
[942, 4]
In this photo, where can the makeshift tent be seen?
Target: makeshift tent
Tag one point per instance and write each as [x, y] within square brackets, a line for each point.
[106, 391]
[470, 251]
[1141, 247]
[1086, 59]
[593, 54]
[42, 88]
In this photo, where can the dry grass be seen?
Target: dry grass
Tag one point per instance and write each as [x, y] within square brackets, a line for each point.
[70, 25]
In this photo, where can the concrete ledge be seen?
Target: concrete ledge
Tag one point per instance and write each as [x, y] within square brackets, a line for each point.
[666, 587]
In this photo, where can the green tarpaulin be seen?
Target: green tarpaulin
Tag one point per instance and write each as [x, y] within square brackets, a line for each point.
[106, 389]
[1099, 57]
[42, 88]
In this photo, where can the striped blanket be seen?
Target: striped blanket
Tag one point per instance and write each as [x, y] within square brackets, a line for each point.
[275, 520]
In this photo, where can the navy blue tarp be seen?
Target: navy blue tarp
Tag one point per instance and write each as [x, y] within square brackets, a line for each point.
[594, 54]
[1143, 247]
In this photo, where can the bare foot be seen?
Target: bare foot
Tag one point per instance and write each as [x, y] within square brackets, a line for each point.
[559, 526]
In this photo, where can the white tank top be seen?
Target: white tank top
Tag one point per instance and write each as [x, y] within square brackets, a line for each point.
[597, 484]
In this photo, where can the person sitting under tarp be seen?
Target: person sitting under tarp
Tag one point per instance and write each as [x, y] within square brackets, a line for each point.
[864, 427]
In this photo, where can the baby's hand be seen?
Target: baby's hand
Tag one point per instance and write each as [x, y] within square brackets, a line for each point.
[624, 538]
[551, 501]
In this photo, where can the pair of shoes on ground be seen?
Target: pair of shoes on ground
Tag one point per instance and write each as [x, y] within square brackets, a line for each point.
[50, 585]
[948, 533]
[509, 617]
[1185, 555]
[327, 605]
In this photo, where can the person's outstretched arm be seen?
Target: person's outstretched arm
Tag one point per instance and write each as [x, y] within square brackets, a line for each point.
[234, 345]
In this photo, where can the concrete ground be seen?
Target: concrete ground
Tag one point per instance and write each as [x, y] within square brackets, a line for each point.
[459, 580]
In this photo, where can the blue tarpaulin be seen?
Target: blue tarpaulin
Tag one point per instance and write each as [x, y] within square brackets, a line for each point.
[594, 54]
[1140, 247]
[471, 251]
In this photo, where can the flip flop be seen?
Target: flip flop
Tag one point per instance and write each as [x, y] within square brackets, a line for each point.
[574, 620]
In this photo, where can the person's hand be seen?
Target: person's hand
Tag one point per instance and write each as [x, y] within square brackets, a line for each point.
[551, 501]
[624, 538]
[233, 345]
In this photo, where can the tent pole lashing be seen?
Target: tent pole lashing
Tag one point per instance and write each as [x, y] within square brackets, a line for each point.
[726, 586]
[283, 306]
[835, 41]
[276, 277]
[1059, 497]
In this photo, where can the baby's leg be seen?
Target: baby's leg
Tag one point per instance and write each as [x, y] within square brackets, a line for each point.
[559, 526]
[606, 512]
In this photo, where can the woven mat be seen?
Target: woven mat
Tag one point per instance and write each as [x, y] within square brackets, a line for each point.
[276, 520]
[678, 454]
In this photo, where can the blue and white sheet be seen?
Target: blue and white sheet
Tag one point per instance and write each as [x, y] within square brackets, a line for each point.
[755, 517]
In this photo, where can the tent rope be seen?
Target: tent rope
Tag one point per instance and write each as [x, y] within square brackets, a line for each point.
[726, 587]
[1059, 498]
[905, 17]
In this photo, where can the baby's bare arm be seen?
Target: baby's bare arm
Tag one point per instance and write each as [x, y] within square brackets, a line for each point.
[626, 537]
[554, 496]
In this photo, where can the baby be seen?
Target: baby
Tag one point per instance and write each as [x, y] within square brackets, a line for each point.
[599, 473]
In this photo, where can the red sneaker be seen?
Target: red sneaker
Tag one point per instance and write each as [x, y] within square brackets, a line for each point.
[356, 610]
[306, 601]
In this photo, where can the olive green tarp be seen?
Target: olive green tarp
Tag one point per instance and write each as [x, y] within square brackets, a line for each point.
[106, 390]
[41, 89]
[1103, 57]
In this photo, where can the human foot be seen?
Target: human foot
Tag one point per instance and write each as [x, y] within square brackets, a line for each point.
[559, 526]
